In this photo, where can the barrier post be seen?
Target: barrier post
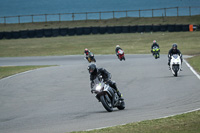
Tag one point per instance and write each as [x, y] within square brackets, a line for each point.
[4, 20]
[177, 11]
[139, 13]
[99, 15]
[152, 13]
[19, 19]
[32, 18]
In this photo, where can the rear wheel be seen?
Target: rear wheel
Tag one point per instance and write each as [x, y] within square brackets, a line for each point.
[106, 103]
[122, 106]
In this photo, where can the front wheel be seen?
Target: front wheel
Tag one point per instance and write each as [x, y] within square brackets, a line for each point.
[106, 103]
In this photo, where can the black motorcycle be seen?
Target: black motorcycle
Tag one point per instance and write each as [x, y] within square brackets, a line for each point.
[107, 95]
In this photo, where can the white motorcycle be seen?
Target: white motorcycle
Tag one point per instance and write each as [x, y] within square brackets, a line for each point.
[107, 95]
[175, 64]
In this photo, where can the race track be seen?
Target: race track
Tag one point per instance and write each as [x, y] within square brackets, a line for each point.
[57, 99]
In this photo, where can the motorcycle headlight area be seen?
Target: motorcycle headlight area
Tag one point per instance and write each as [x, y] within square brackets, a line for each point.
[98, 88]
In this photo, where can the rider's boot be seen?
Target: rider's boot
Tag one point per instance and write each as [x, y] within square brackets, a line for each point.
[118, 93]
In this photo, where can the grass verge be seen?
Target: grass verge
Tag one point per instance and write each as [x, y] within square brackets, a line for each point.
[184, 123]
[132, 43]
[6, 71]
[195, 63]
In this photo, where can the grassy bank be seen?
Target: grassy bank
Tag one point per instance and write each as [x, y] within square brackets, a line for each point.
[132, 43]
[185, 123]
[6, 71]
[195, 62]
[109, 22]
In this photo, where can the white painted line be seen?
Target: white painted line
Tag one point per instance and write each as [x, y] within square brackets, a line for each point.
[144, 120]
[191, 68]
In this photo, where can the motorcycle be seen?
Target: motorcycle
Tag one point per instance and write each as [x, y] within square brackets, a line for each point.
[175, 64]
[91, 58]
[155, 52]
[107, 95]
[120, 54]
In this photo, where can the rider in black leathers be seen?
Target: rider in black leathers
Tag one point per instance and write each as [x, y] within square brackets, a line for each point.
[94, 72]
[153, 45]
[173, 51]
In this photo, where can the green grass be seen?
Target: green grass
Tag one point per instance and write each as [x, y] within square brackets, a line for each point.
[6, 71]
[109, 22]
[185, 123]
[132, 43]
[195, 62]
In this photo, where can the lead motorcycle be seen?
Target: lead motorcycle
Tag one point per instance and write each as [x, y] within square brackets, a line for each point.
[120, 54]
[107, 95]
[91, 58]
[156, 52]
[175, 64]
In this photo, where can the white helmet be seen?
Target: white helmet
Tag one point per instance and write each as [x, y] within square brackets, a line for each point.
[117, 46]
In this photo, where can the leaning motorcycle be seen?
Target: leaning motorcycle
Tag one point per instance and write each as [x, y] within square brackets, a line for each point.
[120, 53]
[107, 95]
[175, 64]
[91, 58]
[156, 52]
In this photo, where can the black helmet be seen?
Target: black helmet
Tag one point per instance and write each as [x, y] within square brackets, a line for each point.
[174, 46]
[92, 68]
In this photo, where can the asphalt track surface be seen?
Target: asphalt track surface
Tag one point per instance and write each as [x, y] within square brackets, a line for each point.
[57, 99]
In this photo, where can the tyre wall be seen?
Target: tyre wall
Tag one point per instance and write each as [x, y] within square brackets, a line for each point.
[38, 33]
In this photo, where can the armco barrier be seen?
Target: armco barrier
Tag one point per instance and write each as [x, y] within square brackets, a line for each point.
[92, 30]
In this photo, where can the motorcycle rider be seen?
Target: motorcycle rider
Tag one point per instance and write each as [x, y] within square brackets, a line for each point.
[155, 44]
[117, 49]
[86, 53]
[94, 72]
[173, 51]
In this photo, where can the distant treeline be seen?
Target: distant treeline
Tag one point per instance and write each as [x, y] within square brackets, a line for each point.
[91, 30]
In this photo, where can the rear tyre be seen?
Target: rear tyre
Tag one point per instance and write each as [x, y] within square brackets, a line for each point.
[107, 105]
[122, 106]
